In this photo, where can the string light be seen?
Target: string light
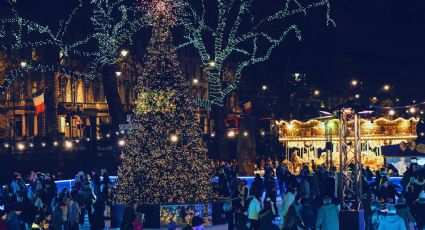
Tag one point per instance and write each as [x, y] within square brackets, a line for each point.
[229, 38]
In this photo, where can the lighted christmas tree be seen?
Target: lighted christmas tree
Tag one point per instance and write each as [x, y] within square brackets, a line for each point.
[165, 159]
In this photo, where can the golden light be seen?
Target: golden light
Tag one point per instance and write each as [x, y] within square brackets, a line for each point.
[24, 64]
[20, 146]
[387, 87]
[262, 133]
[77, 141]
[245, 134]
[118, 73]
[55, 143]
[357, 96]
[231, 134]
[174, 138]
[6, 145]
[121, 143]
[412, 110]
[369, 125]
[43, 144]
[316, 92]
[124, 52]
[354, 82]
[289, 126]
[391, 112]
[374, 99]
[212, 64]
[195, 81]
[68, 144]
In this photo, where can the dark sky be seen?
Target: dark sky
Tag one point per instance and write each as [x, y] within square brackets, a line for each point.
[375, 42]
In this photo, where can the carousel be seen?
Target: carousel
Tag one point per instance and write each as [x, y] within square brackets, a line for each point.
[317, 141]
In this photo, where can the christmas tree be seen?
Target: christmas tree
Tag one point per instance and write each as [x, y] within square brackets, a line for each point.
[165, 159]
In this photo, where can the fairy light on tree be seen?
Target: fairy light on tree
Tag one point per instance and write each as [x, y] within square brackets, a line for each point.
[165, 159]
[235, 30]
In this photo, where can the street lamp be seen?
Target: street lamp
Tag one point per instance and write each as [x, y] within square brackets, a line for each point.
[231, 134]
[121, 143]
[264, 87]
[68, 144]
[21, 146]
[245, 134]
[354, 83]
[387, 87]
[316, 92]
[412, 110]
[195, 81]
[124, 52]
[174, 138]
[357, 96]
[118, 73]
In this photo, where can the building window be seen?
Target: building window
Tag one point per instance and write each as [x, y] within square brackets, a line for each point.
[74, 91]
[62, 85]
[62, 124]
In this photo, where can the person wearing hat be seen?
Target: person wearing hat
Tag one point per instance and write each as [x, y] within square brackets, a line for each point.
[404, 212]
[391, 221]
[419, 210]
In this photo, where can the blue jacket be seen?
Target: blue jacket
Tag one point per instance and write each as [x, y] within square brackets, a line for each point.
[391, 222]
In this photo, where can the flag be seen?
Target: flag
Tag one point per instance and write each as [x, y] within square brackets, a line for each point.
[38, 99]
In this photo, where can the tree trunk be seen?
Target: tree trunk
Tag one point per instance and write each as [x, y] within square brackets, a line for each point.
[116, 111]
[51, 102]
[220, 140]
[246, 149]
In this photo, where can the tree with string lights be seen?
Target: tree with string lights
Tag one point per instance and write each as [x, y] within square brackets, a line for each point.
[165, 159]
[113, 22]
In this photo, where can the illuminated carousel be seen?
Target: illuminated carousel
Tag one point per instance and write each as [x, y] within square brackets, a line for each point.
[318, 141]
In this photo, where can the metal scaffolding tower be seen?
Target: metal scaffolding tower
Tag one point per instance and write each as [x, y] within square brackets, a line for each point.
[350, 165]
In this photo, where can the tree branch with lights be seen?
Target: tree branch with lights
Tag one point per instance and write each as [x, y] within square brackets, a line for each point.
[234, 29]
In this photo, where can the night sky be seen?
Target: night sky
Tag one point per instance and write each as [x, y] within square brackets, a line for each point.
[375, 42]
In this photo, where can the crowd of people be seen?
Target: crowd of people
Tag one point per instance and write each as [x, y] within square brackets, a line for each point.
[35, 202]
[308, 200]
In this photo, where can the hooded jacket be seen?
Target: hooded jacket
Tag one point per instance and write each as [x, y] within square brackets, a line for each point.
[327, 217]
[391, 222]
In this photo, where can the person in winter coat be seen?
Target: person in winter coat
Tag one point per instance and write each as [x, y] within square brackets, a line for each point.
[258, 185]
[271, 190]
[288, 200]
[327, 217]
[14, 219]
[391, 221]
[387, 190]
[57, 218]
[73, 214]
[419, 210]
[267, 216]
[254, 211]
[128, 218]
[38, 223]
[404, 212]
[98, 215]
